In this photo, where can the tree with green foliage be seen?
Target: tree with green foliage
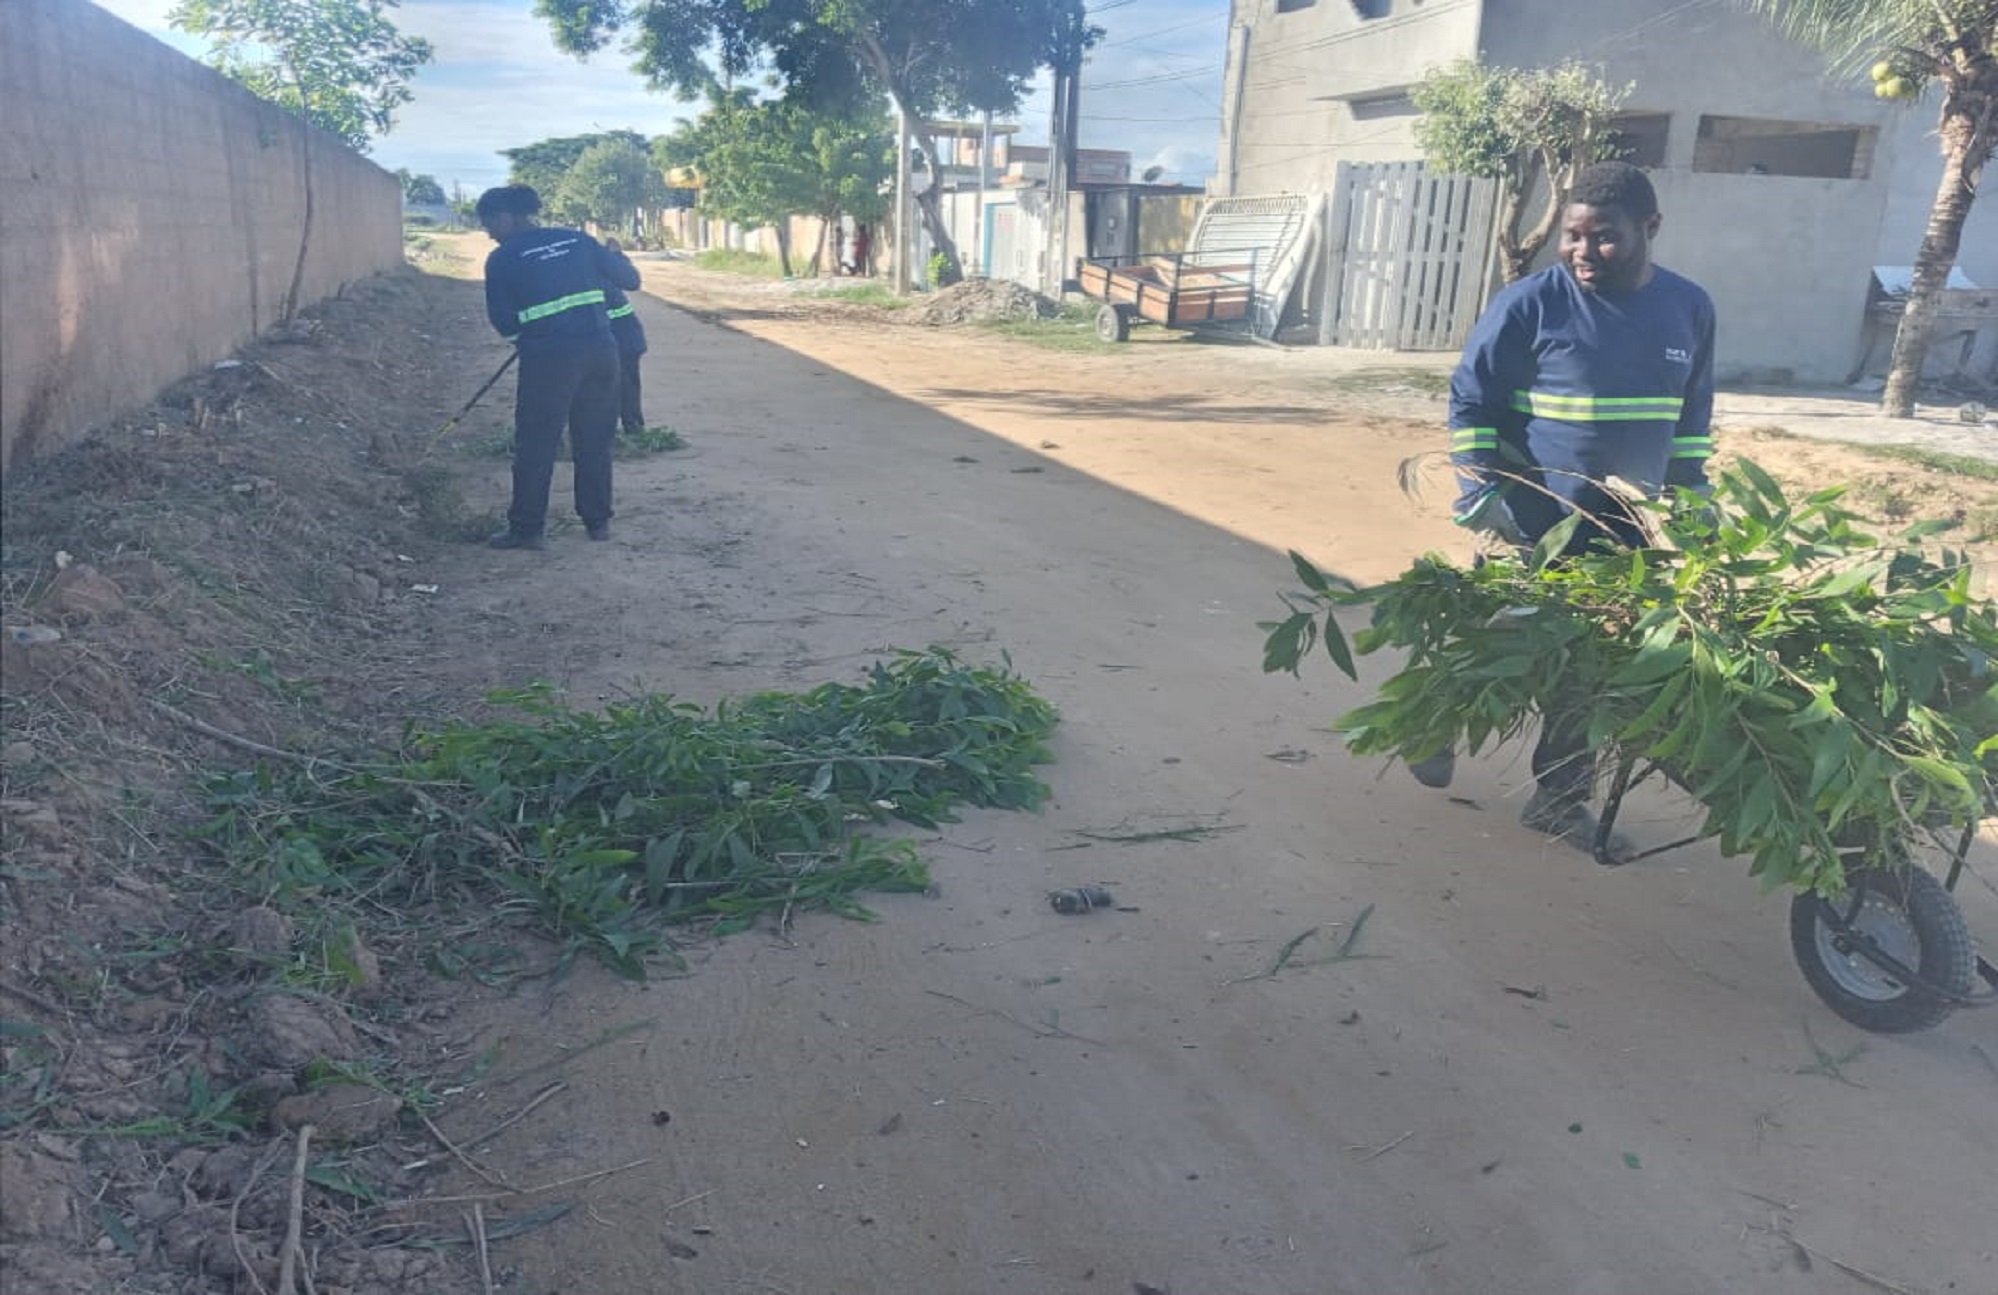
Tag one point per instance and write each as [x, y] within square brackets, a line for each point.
[422, 190]
[1911, 47]
[543, 163]
[339, 65]
[927, 56]
[852, 167]
[762, 163]
[1532, 130]
[611, 183]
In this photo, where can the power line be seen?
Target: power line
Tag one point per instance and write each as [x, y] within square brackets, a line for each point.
[1160, 78]
[1163, 31]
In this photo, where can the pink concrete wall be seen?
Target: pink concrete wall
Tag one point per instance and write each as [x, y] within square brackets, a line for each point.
[150, 213]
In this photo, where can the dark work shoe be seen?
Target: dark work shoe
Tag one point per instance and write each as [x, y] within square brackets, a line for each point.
[512, 539]
[1437, 770]
[597, 530]
[1571, 821]
[634, 429]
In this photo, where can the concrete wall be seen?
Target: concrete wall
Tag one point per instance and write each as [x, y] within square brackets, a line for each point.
[1787, 258]
[1789, 286]
[1166, 220]
[1716, 60]
[1310, 88]
[150, 213]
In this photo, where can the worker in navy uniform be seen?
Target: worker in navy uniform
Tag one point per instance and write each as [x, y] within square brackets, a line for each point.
[1599, 367]
[545, 292]
[630, 336]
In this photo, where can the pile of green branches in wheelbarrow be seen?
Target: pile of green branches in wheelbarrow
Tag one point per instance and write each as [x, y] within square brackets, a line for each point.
[1827, 696]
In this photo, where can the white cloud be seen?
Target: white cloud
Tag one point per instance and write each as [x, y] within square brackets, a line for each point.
[1152, 86]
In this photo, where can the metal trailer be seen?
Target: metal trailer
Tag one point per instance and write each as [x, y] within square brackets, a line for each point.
[1215, 291]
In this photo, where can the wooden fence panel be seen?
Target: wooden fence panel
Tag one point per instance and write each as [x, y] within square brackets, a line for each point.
[1409, 256]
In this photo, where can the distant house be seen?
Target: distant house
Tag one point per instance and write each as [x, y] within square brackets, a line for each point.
[1781, 190]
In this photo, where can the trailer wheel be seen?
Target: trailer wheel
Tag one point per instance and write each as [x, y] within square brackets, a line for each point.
[1908, 915]
[1112, 324]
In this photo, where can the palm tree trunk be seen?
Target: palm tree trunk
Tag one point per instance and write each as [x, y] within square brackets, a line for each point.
[1932, 266]
[1969, 132]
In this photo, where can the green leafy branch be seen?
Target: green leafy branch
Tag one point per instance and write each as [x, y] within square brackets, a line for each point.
[1824, 695]
[601, 826]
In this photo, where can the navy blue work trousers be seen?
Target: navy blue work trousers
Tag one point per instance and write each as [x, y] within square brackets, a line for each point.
[572, 383]
[631, 410]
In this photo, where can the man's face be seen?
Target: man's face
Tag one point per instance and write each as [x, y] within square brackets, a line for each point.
[500, 225]
[1606, 248]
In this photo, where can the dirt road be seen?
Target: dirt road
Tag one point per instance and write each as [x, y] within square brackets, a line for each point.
[1530, 1075]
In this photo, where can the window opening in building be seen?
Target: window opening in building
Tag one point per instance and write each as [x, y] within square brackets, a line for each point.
[1374, 107]
[1292, 6]
[1758, 146]
[1639, 137]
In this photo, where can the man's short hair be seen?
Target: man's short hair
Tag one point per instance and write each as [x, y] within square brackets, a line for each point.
[509, 200]
[1615, 184]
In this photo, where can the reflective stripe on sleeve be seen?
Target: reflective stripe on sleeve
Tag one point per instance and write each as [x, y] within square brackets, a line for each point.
[1464, 440]
[1692, 447]
[619, 312]
[594, 297]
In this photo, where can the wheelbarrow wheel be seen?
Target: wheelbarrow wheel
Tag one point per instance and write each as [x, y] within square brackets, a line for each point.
[1906, 914]
[1112, 324]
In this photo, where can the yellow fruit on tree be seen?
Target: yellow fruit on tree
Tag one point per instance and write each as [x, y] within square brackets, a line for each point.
[1882, 70]
[1894, 87]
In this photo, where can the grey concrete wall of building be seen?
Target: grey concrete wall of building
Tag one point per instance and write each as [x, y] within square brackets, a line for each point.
[1784, 316]
[1786, 257]
[1718, 61]
[150, 214]
[1321, 85]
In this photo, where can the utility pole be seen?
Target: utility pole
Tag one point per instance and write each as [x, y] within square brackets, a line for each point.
[1063, 131]
[984, 183]
[1052, 272]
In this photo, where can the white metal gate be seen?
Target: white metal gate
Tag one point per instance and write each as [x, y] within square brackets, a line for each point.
[1273, 231]
[1409, 257]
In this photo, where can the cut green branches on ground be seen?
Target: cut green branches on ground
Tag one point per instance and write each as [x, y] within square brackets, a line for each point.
[658, 439]
[1287, 959]
[603, 826]
[1827, 696]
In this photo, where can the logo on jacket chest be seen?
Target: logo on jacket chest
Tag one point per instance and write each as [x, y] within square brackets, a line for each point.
[1675, 355]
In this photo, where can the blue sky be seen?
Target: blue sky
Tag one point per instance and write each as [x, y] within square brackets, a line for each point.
[1153, 86]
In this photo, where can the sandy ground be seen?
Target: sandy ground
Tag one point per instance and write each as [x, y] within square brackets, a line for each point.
[1535, 1076]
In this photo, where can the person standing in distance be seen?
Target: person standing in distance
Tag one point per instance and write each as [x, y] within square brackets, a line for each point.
[1600, 366]
[630, 335]
[545, 292]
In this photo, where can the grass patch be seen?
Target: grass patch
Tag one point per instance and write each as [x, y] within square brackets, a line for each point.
[1073, 329]
[1390, 380]
[730, 261]
[870, 293]
[1956, 465]
[601, 828]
